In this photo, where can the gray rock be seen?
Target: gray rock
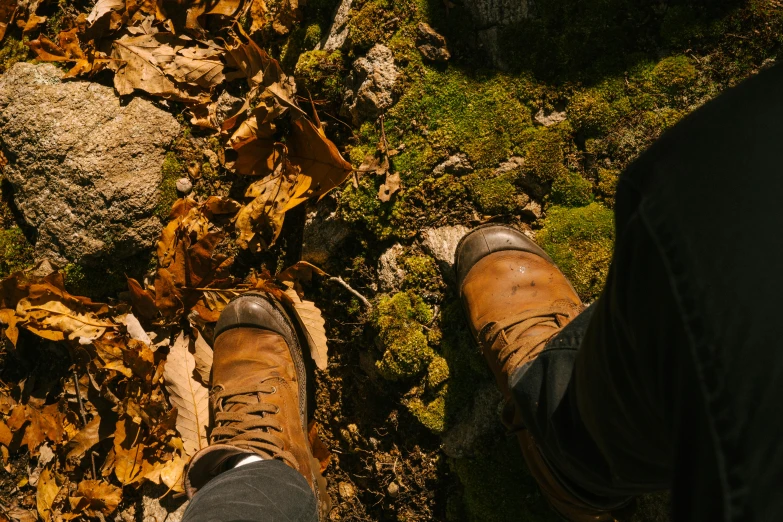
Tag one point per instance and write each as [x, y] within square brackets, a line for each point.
[490, 17]
[338, 32]
[547, 119]
[480, 420]
[227, 106]
[369, 85]
[431, 44]
[324, 234]
[184, 186]
[457, 164]
[390, 271]
[441, 243]
[85, 169]
[156, 509]
[512, 163]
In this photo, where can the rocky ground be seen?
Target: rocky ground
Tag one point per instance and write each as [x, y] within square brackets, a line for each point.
[452, 114]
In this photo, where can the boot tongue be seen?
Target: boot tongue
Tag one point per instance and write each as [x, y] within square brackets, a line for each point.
[245, 357]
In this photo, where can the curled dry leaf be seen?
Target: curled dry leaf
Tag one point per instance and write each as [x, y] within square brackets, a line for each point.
[7, 14]
[169, 473]
[128, 452]
[95, 497]
[190, 397]
[202, 354]
[312, 322]
[49, 486]
[390, 187]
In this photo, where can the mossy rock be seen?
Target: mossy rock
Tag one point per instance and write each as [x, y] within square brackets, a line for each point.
[674, 74]
[432, 415]
[399, 320]
[494, 195]
[545, 154]
[422, 273]
[572, 190]
[590, 113]
[580, 241]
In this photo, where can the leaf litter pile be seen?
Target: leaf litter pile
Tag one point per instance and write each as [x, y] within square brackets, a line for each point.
[133, 407]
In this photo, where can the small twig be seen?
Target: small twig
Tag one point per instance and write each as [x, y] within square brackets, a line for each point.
[94, 469]
[79, 399]
[340, 281]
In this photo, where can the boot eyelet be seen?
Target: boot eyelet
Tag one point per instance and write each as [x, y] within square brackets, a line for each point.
[277, 409]
[274, 389]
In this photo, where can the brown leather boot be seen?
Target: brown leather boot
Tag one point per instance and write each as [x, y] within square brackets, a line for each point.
[516, 300]
[259, 395]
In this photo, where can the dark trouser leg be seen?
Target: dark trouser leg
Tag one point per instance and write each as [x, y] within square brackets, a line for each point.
[267, 491]
[603, 398]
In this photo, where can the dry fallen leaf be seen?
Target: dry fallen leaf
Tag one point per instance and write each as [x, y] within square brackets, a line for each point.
[7, 13]
[169, 473]
[390, 187]
[95, 497]
[190, 397]
[48, 488]
[129, 454]
[202, 354]
[312, 323]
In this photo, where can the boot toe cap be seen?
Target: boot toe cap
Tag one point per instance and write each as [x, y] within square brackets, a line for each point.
[252, 310]
[487, 240]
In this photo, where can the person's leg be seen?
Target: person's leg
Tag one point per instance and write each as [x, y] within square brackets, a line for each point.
[266, 491]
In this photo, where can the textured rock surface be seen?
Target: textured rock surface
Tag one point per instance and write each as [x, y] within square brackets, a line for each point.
[441, 243]
[390, 271]
[369, 85]
[324, 235]
[490, 17]
[431, 44]
[85, 170]
[338, 33]
[457, 164]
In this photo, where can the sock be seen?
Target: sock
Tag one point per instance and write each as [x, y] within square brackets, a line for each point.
[241, 460]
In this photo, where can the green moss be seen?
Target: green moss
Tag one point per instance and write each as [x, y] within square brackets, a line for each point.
[580, 241]
[572, 190]
[545, 154]
[367, 26]
[590, 112]
[437, 372]
[399, 320]
[16, 252]
[170, 171]
[313, 35]
[422, 273]
[320, 73]
[448, 111]
[493, 195]
[607, 185]
[497, 486]
[12, 51]
[674, 74]
[432, 414]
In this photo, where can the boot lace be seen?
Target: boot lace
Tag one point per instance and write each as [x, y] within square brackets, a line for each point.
[251, 423]
[516, 347]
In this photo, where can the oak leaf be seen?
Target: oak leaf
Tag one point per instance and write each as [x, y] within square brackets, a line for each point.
[190, 397]
[169, 473]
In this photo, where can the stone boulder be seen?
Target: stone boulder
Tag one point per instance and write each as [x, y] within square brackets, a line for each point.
[490, 17]
[369, 86]
[85, 169]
